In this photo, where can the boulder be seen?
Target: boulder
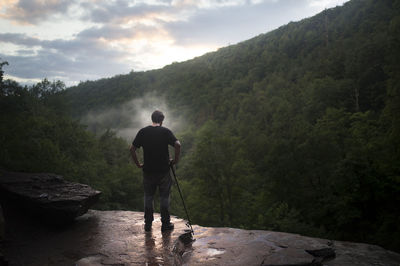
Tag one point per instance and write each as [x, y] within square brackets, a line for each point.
[47, 197]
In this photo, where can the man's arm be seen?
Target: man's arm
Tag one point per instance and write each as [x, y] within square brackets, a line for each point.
[177, 147]
[134, 156]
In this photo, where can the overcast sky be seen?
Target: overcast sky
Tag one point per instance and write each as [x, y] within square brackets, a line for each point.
[78, 40]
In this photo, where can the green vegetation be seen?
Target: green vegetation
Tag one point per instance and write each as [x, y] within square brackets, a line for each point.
[37, 135]
[295, 130]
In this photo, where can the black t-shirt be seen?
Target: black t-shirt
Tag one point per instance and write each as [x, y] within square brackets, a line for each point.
[155, 141]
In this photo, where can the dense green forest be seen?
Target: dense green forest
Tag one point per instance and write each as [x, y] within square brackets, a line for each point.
[38, 135]
[295, 130]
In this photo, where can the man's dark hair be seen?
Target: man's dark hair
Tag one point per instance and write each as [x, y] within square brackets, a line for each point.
[157, 116]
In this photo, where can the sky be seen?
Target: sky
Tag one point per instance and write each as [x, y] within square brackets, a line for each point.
[79, 40]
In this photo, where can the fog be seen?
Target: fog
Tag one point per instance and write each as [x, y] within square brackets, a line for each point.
[128, 118]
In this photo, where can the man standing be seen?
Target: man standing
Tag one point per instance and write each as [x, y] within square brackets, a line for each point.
[155, 140]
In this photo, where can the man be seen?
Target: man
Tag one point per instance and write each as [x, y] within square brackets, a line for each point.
[155, 140]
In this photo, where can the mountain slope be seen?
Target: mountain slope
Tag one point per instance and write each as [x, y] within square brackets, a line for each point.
[319, 46]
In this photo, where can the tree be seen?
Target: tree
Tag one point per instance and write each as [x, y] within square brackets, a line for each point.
[1, 76]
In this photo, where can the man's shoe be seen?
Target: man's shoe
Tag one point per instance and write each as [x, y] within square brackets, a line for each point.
[147, 227]
[167, 227]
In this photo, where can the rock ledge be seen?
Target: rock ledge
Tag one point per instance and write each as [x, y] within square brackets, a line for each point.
[118, 238]
[46, 196]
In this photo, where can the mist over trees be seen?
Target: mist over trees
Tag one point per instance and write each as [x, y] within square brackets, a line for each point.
[295, 130]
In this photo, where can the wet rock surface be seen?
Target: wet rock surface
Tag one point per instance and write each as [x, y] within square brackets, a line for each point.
[118, 238]
[46, 196]
[96, 238]
[227, 246]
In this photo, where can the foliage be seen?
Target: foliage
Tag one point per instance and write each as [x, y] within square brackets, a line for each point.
[37, 135]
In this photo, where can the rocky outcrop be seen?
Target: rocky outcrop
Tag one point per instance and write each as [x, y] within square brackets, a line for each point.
[47, 197]
[118, 238]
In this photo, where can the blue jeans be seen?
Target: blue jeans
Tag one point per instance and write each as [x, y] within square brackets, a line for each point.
[150, 183]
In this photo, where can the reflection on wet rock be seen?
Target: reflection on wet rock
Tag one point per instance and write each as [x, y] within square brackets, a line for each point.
[119, 238]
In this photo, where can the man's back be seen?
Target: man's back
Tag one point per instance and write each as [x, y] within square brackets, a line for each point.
[155, 141]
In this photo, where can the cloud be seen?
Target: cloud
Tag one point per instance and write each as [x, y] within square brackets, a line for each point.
[100, 50]
[34, 11]
[120, 11]
[19, 39]
[325, 3]
[116, 32]
[235, 23]
[68, 60]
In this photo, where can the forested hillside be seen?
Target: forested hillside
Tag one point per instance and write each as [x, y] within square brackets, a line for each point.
[295, 130]
[38, 135]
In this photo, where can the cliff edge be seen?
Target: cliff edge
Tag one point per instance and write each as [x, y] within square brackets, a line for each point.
[118, 238]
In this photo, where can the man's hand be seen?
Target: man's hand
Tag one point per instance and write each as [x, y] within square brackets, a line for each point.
[134, 157]
[177, 147]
